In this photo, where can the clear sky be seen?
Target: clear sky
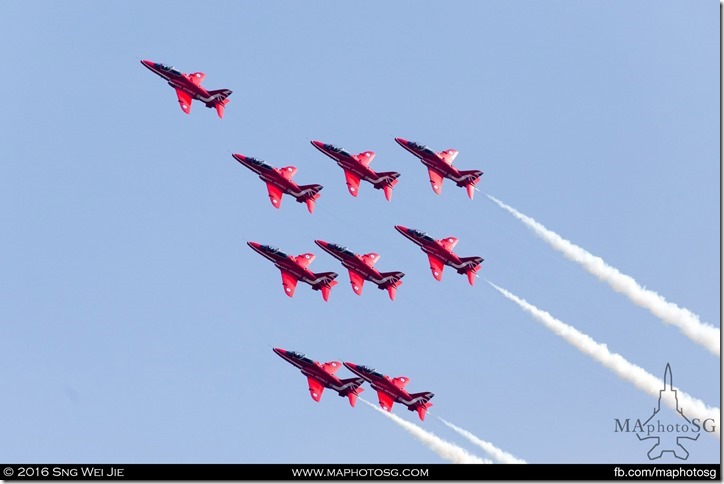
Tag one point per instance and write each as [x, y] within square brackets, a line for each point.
[137, 326]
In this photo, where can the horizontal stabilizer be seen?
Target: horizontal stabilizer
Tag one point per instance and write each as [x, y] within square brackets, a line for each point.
[351, 389]
[391, 281]
[388, 179]
[325, 283]
[309, 195]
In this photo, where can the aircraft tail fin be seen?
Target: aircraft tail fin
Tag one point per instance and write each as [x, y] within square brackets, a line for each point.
[422, 410]
[219, 100]
[310, 194]
[388, 179]
[391, 281]
[352, 389]
[471, 266]
[325, 283]
[469, 179]
[422, 403]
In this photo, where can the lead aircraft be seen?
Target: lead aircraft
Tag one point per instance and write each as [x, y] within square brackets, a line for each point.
[440, 253]
[391, 390]
[188, 87]
[439, 166]
[322, 375]
[279, 181]
[294, 269]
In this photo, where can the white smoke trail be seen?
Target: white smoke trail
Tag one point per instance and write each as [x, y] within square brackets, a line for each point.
[690, 406]
[443, 448]
[494, 452]
[702, 333]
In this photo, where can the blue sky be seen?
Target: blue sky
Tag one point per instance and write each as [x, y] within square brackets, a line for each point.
[137, 326]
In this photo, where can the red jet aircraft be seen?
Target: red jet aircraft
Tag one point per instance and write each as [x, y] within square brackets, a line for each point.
[440, 254]
[361, 268]
[188, 87]
[321, 376]
[391, 390]
[439, 166]
[294, 269]
[356, 168]
[279, 181]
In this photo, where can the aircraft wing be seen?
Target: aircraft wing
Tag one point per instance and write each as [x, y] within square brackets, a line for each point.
[288, 172]
[448, 156]
[275, 195]
[386, 401]
[371, 258]
[357, 282]
[436, 265]
[400, 382]
[289, 282]
[449, 243]
[352, 182]
[331, 367]
[184, 100]
[435, 180]
[197, 77]
[365, 157]
[315, 388]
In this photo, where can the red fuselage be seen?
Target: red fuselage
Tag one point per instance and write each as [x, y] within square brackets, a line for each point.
[321, 376]
[431, 246]
[348, 162]
[310, 368]
[391, 390]
[431, 159]
[287, 263]
[356, 168]
[271, 175]
[179, 80]
[352, 261]
[361, 268]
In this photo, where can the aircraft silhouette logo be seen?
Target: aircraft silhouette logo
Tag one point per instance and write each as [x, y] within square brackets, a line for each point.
[665, 435]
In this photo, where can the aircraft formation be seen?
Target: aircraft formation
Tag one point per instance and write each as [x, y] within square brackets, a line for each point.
[361, 267]
[389, 390]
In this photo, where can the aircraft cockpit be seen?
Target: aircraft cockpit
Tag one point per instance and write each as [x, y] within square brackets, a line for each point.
[299, 356]
[337, 149]
[341, 248]
[371, 371]
[273, 250]
[421, 234]
[256, 162]
[170, 69]
[420, 147]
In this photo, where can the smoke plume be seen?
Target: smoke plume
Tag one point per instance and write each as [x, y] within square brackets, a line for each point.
[498, 455]
[702, 333]
[443, 448]
[690, 406]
